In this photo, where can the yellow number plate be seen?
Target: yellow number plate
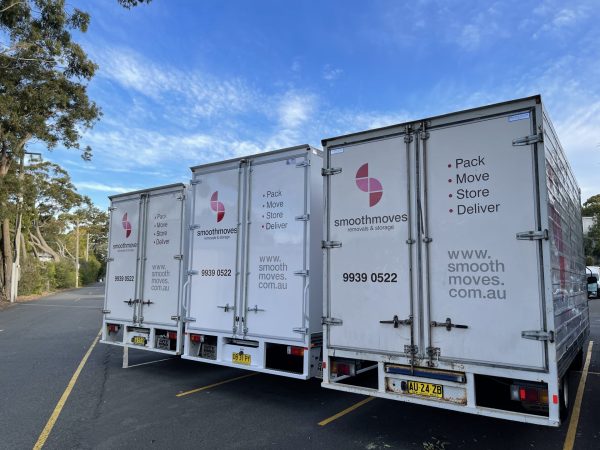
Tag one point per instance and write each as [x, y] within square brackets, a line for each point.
[241, 358]
[425, 389]
[139, 340]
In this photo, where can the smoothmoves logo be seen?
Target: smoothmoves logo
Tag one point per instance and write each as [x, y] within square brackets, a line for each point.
[126, 225]
[370, 185]
[217, 206]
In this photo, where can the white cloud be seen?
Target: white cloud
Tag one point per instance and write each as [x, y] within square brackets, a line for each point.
[295, 109]
[92, 186]
[199, 95]
[331, 73]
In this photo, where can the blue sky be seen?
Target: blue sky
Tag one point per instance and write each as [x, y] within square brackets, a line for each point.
[185, 82]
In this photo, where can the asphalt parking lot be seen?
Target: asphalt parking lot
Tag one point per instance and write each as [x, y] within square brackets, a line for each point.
[166, 402]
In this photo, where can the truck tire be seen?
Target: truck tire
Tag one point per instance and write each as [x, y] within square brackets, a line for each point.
[563, 397]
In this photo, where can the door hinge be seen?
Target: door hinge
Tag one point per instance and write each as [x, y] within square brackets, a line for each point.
[110, 259]
[528, 140]
[147, 302]
[408, 138]
[180, 197]
[538, 335]
[189, 319]
[179, 257]
[302, 273]
[194, 227]
[300, 330]
[331, 321]
[448, 324]
[226, 308]
[106, 311]
[112, 208]
[411, 349]
[424, 135]
[304, 163]
[195, 182]
[256, 309]
[331, 244]
[331, 171]
[176, 318]
[533, 235]
[303, 217]
[192, 272]
[131, 301]
[396, 322]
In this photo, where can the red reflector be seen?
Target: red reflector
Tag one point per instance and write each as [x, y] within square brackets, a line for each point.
[555, 399]
[113, 328]
[522, 394]
[324, 365]
[195, 337]
[295, 351]
[172, 335]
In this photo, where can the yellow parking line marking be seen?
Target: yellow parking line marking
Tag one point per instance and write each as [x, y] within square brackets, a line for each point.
[210, 386]
[63, 399]
[570, 439]
[346, 411]
[146, 363]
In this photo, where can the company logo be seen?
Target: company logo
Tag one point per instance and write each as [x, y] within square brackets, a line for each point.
[217, 206]
[126, 225]
[370, 185]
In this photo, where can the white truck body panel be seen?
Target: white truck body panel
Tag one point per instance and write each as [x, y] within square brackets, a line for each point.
[255, 241]
[145, 268]
[453, 253]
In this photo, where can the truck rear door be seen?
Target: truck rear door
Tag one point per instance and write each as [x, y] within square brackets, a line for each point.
[276, 259]
[163, 255]
[479, 193]
[215, 249]
[370, 285]
[123, 268]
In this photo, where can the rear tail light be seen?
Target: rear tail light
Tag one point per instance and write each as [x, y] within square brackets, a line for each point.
[172, 335]
[113, 328]
[295, 351]
[196, 338]
[529, 394]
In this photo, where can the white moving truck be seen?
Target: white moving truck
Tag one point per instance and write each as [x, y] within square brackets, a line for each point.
[454, 268]
[254, 292]
[145, 270]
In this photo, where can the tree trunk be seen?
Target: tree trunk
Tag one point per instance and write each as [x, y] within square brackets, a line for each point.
[7, 258]
[44, 245]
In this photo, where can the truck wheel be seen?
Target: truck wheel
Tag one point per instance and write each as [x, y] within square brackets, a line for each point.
[563, 397]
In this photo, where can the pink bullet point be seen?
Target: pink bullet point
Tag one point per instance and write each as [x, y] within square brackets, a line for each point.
[449, 180]
[449, 165]
[451, 210]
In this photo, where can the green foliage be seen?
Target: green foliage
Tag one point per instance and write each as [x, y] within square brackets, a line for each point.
[43, 77]
[131, 3]
[34, 277]
[88, 271]
[591, 207]
[65, 274]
